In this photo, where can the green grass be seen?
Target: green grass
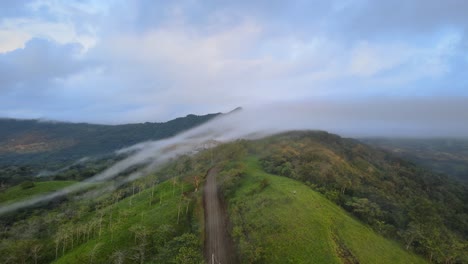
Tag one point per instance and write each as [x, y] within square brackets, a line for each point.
[287, 222]
[129, 212]
[16, 193]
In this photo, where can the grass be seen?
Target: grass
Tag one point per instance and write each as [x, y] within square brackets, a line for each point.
[16, 193]
[280, 220]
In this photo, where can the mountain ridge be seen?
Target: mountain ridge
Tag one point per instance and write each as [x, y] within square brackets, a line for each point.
[30, 140]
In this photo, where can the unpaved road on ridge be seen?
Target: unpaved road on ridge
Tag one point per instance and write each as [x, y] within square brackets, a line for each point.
[217, 241]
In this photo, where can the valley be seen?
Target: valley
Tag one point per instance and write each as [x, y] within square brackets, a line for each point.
[447, 156]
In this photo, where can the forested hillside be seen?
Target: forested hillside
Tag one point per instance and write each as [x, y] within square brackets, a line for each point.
[30, 148]
[155, 219]
[427, 212]
[34, 141]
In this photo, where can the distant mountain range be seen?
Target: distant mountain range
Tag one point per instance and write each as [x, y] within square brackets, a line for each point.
[43, 142]
[448, 156]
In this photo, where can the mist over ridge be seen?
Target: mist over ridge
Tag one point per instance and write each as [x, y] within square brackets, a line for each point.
[400, 118]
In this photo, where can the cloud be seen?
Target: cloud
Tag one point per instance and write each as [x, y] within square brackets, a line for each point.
[40, 61]
[370, 18]
[73, 21]
[155, 60]
[14, 8]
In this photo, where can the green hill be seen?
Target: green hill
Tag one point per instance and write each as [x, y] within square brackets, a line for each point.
[425, 212]
[280, 220]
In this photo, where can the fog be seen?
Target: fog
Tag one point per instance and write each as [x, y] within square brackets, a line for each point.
[47, 173]
[385, 118]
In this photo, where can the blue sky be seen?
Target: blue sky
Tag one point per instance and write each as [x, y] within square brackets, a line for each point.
[133, 61]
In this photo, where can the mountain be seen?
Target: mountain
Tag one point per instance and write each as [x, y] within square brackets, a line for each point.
[444, 155]
[49, 143]
[296, 197]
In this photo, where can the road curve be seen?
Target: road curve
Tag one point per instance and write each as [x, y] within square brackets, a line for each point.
[218, 246]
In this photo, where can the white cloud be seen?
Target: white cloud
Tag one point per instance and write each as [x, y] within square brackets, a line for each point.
[367, 59]
[11, 40]
[17, 31]
[195, 56]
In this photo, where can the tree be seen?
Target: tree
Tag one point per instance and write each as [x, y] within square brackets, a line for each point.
[153, 185]
[163, 234]
[196, 180]
[365, 209]
[92, 254]
[118, 256]
[174, 183]
[141, 233]
[57, 240]
[35, 249]
[182, 249]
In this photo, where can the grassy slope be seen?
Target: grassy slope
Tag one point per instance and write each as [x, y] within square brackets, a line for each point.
[139, 213]
[16, 193]
[294, 224]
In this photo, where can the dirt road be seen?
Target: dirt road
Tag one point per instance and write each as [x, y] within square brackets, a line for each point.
[218, 246]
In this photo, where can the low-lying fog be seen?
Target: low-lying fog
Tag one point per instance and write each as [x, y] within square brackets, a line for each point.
[390, 118]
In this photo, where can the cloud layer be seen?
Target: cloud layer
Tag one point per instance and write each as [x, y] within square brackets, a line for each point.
[133, 61]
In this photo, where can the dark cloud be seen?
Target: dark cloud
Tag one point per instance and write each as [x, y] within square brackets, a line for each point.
[391, 18]
[213, 15]
[39, 62]
[13, 8]
[340, 19]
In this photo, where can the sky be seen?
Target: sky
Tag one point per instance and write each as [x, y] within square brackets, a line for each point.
[147, 60]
